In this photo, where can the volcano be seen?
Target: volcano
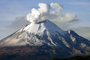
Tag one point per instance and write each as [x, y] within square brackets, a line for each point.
[43, 40]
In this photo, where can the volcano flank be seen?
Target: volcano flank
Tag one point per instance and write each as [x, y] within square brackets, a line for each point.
[43, 40]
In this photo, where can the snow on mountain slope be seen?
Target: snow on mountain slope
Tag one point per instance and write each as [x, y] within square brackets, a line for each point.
[33, 34]
[38, 28]
[45, 33]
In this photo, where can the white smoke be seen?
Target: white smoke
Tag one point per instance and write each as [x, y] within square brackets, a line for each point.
[57, 6]
[67, 17]
[44, 12]
[38, 14]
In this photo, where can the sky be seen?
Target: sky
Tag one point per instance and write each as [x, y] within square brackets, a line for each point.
[76, 15]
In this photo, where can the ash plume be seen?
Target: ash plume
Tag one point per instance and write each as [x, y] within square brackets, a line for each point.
[43, 12]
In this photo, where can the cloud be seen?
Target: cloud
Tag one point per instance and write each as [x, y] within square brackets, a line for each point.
[56, 6]
[68, 17]
[43, 12]
[18, 23]
[83, 31]
[64, 21]
[37, 14]
[66, 25]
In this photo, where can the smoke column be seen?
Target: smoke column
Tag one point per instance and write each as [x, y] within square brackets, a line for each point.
[44, 12]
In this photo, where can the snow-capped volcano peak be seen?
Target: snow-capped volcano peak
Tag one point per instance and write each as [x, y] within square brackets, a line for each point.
[40, 27]
[35, 34]
[44, 33]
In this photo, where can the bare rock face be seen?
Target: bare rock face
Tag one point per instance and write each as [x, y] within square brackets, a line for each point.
[43, 40]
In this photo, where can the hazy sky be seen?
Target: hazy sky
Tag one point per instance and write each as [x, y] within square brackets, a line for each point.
[13, 12]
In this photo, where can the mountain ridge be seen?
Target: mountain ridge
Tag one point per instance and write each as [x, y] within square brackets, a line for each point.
[44, 39]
